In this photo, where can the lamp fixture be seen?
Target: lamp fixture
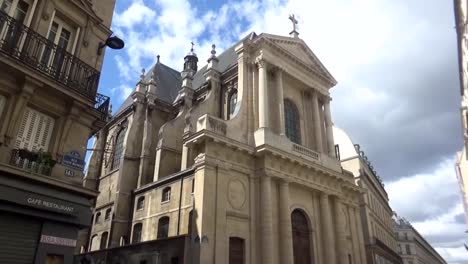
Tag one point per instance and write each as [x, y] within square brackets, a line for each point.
[111, 42]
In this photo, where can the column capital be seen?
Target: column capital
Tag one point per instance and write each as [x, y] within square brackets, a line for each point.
[260, 62]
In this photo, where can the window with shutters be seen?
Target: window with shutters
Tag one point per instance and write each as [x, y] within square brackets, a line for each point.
[118, 149]
[35, 131]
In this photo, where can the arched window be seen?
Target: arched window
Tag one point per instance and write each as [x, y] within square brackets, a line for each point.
[137, 233]
[163, 227]
[93, 245]
[140, 203]
[236, 250]
[104, 237]
[118, 149]
[107, 215]
[166, 194]
[232, 103]
[301, 238]
[97, 219]
[291, 121]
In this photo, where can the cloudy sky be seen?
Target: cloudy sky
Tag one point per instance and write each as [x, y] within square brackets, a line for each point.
[397, 93]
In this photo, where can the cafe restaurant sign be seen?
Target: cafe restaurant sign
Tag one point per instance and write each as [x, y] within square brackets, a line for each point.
[48, 204]
[38, 201]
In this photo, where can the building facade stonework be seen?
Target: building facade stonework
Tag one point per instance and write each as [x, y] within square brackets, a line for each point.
[237, 157]
[49, 107]
[461, 163]
[412, 247]
[375, 211]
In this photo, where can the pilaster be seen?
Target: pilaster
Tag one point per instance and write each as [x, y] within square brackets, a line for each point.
[286, 243]
[266, 227]
[340, 232]
[317, 122]
[329, 128]
[263, 94]
[328, 237]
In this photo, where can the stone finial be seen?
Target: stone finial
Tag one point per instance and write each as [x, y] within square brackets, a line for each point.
[213, 54]
[213, 50]
[157, 58]
[142, 75]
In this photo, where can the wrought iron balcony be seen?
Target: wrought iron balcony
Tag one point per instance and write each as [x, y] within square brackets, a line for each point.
[36, 162]
[37, 52]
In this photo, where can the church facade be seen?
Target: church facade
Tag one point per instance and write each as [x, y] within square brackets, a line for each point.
[237, 159]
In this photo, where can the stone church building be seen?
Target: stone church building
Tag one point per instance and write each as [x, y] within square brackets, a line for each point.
[235, 159]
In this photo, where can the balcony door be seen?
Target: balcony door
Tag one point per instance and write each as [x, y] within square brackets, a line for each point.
[11, 29]
[61, 43]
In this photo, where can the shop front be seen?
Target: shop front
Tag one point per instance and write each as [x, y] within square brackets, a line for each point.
[39, 221]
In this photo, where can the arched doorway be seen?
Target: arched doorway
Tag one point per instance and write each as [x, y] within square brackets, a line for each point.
[301, 238]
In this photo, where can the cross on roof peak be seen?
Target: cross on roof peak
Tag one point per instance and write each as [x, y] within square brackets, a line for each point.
[294, 21]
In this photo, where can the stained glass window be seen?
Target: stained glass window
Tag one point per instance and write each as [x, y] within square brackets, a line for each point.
[118, 149]
[291, 120]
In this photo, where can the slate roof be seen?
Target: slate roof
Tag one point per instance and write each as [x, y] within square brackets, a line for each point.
[169, 80]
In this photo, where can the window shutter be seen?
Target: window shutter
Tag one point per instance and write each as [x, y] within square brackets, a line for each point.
[35, 131]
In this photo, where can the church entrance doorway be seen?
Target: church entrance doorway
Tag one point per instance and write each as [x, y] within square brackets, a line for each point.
[301, 238]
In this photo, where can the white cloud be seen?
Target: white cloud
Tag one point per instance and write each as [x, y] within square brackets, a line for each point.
[135, 14]
[429, 193]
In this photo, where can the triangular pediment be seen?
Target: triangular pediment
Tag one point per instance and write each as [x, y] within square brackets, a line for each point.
[299, 49]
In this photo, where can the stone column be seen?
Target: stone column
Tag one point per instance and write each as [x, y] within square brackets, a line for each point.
[279, 81]
[322, 129]
[329, 129]
[262, 94]
[340, 222]
[317, 127]
[266, 220]
[286, 243]
[327, 234]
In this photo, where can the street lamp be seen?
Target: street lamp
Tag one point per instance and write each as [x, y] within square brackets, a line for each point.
[111, 42]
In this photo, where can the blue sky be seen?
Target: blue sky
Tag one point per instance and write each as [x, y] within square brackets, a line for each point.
[396, 67]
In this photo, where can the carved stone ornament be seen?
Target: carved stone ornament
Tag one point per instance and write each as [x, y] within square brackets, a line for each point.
[236, 194]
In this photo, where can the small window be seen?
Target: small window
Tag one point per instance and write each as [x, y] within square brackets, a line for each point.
[408, 250]
[163, 227]
[136, 238]
[141, 203]
[166, 194]
[107, 215]
[98, 217]
[193, 184]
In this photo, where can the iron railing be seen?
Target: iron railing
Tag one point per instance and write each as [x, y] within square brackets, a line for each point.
[30, 161]
[39, 53]
[102, 106]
